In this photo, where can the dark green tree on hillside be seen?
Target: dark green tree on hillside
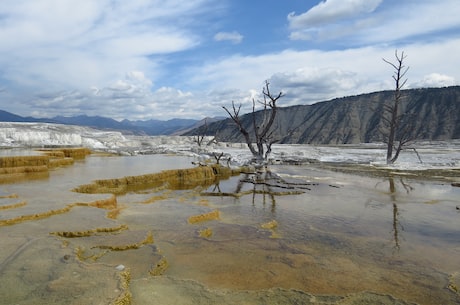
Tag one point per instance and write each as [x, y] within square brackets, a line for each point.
[397, 122]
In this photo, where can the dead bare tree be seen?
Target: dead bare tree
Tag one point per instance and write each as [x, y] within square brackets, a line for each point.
[398, 124]
[198, 139]
[263, 133]
[202, 135]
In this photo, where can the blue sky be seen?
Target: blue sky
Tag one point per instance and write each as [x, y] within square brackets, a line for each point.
[152, 59]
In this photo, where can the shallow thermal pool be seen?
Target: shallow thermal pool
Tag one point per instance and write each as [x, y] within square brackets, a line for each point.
[346, 239]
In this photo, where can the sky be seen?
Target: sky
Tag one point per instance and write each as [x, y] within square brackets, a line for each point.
[164, 59]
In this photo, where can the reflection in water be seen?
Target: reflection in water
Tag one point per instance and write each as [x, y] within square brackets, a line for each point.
[395, 212]
[327, 242]
[269, 185]
[396, 223]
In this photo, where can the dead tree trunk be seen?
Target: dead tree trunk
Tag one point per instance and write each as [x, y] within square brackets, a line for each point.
[262, 140]
[199, 138]
[392, 110]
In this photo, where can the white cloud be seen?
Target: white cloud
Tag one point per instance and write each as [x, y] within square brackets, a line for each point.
[233, 37]
[91, 43]
[333, 17]
[144, 44]
[412, 20]
[131, 59]
[360, 22]
[435, 80]
[27, 23]
[304, 76]
[120, 86]
[314, 75]
[139, 76]
[308, 85]
[249, 72]
[330, 11]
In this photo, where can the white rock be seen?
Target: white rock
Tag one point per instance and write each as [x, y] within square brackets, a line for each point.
[120, 267]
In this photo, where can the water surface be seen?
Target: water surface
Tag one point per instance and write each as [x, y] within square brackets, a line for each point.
[346, 234]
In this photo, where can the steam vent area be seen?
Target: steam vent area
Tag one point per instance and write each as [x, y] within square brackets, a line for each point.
[84, 227]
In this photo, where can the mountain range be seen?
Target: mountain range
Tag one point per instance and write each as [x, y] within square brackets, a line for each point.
[147, 127]
[435, 113]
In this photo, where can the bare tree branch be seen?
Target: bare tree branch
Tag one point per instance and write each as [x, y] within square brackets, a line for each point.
[397, 137]
[236, 118]
[262, 123]
[200, 137]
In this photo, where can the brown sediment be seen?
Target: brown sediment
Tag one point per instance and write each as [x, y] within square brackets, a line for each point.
[13, 206]
[24, 161]
[148, 240]
[23, 169]
[159, 268]
[205, 233]
[204, 202]
[85, 254]
[15, 168]
[72, 234]
[214, 215]
[74, 153]
[162, 196]
[454, 282]
[173, 179]
[61, 162]
[269, 225]
[64, 156]
[10, 196]
[125, 297]
[53, 153]
[109, 203]
[19, 219]
[113, 213]
[80, 254]
[12, 174]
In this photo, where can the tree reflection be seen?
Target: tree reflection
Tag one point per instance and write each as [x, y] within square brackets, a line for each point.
[265, 184]
[396, 223]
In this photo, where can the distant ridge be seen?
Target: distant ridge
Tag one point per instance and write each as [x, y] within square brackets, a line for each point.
[198, 124]
[10, 117]
[149, 127]
[355, 119]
